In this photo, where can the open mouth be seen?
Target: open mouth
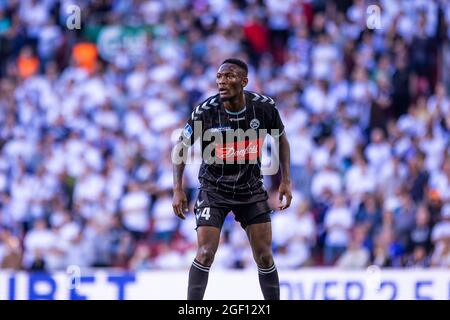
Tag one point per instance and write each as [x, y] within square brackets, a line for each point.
[223, 91]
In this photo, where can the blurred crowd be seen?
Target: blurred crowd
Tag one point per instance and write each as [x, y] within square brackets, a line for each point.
[86, 134]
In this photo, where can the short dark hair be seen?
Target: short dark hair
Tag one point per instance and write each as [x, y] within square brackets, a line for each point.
[241, 64]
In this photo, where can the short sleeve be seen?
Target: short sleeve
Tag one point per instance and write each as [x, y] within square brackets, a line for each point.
[188, 134]
[192, 129]
[276, 123]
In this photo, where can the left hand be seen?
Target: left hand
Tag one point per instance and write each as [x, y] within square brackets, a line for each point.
[284, 190]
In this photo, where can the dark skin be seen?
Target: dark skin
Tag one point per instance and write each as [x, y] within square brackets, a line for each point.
[231, 81]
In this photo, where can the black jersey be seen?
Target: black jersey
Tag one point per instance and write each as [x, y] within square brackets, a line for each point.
[233, 167]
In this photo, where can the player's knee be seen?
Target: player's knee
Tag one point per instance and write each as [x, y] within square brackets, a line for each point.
[205, 255]
[264, 259]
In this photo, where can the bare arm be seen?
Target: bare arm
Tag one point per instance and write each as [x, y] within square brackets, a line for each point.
[285, 159]
[178, 170]
[284, 189]
[179, 202]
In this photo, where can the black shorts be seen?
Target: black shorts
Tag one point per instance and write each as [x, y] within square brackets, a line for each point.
[211, 209]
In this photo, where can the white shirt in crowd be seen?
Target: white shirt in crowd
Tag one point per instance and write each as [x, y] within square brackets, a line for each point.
[377, 154]
[326, 179]
[301, 141]
[295, 232]
[441, 182]
[338, 222]
[89, 187]
[38, 240]
[163, 217]
[134, 206]
[354, 259]
[359, 180]
[346, 140]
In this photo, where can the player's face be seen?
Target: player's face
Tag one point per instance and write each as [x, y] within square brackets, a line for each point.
[230, 80]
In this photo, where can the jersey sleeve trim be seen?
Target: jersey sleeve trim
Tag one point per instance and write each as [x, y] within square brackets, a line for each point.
[210, 102]
[257, 97]
[278, 135]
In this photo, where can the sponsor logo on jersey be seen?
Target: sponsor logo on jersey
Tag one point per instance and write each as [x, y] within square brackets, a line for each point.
[241, 150]
[187, 131]
[220, 129]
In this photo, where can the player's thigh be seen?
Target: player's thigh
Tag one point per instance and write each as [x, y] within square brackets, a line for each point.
[260, 236]
[255, 220]
[208, 238]
[209, 221]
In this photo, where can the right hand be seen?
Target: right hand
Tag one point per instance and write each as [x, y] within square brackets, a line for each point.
[179, 203]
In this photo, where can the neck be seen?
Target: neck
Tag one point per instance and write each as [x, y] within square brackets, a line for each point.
[236, 103]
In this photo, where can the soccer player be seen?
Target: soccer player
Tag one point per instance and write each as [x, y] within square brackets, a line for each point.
[233, 181]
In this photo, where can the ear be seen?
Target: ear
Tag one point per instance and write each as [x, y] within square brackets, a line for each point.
[244, 82]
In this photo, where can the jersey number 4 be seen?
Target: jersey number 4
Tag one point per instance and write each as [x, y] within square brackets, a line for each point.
[203, 212]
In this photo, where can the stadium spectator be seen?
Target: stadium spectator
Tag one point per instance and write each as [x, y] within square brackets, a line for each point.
[368, 215]
[10, 251]
[338, 222]
[141, 258]
[440, 237]
[420, 235]
[294, 235]
[418, 259]
[135, 210]
[356, 256]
